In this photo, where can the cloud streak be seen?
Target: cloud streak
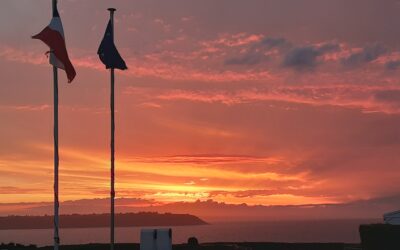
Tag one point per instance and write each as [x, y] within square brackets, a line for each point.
[368, 99]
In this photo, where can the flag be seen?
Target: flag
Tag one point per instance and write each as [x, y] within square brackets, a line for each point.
[108, 53]
[53, 36]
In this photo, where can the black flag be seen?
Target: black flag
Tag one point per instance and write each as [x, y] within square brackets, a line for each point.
[108, 53]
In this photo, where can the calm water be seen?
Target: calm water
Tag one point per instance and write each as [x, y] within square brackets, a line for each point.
[289, 231]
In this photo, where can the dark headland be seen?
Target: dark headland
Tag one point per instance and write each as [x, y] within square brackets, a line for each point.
[100, 220]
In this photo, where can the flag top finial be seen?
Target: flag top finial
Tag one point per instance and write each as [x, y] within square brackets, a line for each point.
[54, 4]
[55, 10]
[111, 9]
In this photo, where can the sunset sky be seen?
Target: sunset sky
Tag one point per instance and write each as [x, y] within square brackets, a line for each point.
[263, 102]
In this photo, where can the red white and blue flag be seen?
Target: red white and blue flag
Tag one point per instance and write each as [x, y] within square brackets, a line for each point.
[53, 36]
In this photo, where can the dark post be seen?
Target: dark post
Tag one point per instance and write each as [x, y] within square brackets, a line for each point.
[112, 226]
[56, 158]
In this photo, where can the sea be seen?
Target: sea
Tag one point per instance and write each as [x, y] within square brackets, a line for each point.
[326, 231]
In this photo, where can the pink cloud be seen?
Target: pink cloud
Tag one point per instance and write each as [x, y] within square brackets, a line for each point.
[165, 26]
[186, 59]
[360, 97]
[233, 40]
[150, 66]
[151, 105]
[16, 55]
[25, 107]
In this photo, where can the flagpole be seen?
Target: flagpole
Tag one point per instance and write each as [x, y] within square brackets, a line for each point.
[112, 224]
[56, 160]
[56, 157]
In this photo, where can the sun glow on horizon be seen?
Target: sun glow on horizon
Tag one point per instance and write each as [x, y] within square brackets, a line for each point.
[163, 179]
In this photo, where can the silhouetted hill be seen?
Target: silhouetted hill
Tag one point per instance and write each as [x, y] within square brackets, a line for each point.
[100, 220]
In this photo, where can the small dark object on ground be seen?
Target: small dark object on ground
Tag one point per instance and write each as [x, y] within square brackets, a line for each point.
[192, 241]
[380, 237]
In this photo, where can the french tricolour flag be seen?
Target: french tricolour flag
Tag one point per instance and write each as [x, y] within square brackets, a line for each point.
[53, 36]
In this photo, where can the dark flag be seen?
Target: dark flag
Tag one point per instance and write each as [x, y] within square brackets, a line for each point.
[108, 53]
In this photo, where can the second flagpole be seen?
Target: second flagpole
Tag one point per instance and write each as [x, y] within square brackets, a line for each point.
[56, 160]
[56, 156]
[112, 222]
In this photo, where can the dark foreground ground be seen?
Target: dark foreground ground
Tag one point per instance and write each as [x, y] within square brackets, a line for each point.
[205, 246]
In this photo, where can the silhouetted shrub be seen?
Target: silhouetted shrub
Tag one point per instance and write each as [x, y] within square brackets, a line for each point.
[192, 241]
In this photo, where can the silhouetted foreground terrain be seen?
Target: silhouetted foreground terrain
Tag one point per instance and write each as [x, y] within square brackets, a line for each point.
[100, 220]
[380, 237]
[207, 246]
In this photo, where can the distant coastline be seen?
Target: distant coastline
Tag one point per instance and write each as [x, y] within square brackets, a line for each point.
[100, 220]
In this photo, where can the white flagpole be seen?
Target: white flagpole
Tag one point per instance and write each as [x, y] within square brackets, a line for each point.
[112, 225]
[56, 158]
